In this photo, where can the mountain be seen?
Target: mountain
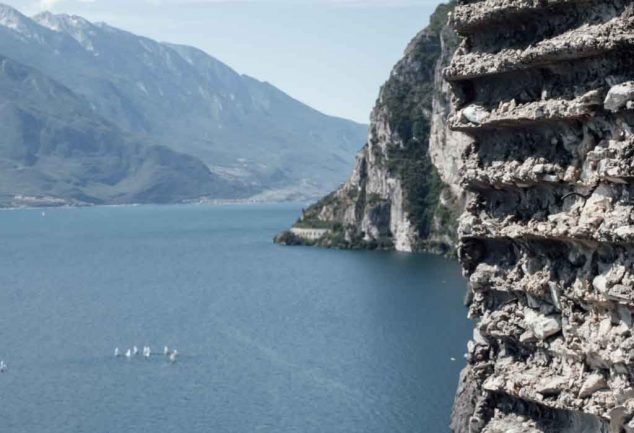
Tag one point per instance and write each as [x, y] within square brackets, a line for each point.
[403, 192]
[54, 149]
[180, 97]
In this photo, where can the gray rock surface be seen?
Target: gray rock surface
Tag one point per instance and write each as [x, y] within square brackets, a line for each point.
[619, 96]
[544, 88]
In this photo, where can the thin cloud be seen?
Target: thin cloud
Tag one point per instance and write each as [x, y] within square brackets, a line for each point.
[53, 4]
[47, 4]
[43, 5]
[336, 3]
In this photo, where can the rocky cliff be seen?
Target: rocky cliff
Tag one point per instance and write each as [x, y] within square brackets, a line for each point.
[546, 90]
[396, 196]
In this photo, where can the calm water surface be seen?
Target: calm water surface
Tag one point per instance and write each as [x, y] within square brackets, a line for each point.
[273, 339]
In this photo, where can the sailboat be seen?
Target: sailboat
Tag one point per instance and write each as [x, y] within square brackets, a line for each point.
[173, 356]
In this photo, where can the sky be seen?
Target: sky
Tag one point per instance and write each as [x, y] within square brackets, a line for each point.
[330, 54]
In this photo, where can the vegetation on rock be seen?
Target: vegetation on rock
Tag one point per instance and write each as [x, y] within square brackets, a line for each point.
[397, 153]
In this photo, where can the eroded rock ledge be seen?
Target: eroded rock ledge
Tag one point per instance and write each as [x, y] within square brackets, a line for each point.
[545, 89]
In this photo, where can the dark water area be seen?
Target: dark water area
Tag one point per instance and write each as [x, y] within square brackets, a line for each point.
[271, 339]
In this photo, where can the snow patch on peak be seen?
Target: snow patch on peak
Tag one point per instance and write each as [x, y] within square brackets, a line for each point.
[46, 19]
[62, 22]
[74, 26]
[13, 19]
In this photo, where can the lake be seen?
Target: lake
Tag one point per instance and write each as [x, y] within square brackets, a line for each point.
[271, 339]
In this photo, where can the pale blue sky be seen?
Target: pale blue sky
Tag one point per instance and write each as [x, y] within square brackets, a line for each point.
[331, 54]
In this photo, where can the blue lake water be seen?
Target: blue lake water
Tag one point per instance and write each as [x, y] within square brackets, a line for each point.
[272, 339]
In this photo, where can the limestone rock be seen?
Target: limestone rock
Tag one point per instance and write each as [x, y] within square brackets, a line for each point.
[475, 114]
[591, 385]
[547, 240]
[619, 96]
[552, 386]
[542, 326]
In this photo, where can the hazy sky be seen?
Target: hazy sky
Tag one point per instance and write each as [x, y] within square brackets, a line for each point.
[331, 54]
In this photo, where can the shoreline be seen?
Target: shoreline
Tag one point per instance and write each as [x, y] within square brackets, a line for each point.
[227, 202]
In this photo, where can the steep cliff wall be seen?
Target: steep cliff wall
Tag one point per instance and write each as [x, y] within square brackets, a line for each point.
[396, 197]
[545, 89]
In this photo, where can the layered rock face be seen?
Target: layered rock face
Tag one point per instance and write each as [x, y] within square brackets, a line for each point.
[546, 90]
[404, 191]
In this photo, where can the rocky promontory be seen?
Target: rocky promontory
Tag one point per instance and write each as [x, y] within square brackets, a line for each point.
[404, 191]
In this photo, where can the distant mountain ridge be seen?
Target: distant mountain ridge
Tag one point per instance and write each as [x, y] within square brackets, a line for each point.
[55, 150]
[246, 131]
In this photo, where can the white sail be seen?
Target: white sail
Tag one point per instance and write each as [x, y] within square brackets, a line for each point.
[173, 356]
